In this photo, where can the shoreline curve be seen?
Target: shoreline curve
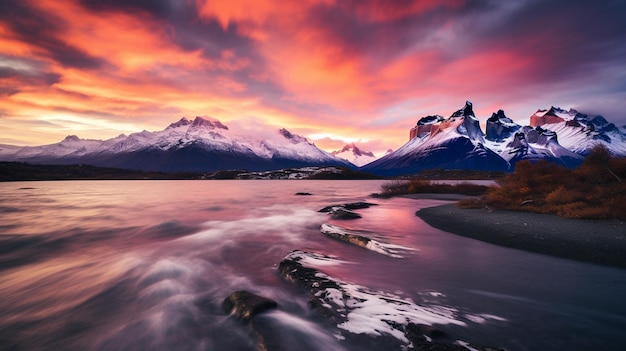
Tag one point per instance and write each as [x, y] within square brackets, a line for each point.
[600, 242]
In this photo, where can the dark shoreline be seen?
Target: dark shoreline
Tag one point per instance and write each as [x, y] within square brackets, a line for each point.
[600, 241]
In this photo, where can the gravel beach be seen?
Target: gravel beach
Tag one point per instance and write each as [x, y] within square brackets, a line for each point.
[598, 241]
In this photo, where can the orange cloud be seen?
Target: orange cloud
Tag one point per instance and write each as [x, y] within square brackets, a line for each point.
[351, 69]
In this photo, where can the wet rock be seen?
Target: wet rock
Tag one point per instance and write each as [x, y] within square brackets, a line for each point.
[377, 319]
[349, 206]
[343, 234]
[291, 269]
[359, 205]
[246, 305]
[342, 213]
[303, 194]
[360, 238]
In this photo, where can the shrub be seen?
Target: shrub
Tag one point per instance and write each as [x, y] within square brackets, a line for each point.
[395, 187]
[593, 190]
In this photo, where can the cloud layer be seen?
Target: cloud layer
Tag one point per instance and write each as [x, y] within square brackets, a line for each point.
[332, 70]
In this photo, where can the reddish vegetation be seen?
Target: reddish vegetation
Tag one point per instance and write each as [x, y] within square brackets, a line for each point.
[595, 190]
[420, 186]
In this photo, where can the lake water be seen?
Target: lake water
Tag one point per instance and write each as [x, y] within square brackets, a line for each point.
[145, 265]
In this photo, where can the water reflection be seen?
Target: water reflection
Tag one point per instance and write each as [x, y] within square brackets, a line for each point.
[101, 265]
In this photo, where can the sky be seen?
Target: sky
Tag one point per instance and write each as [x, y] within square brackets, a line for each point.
[334, 71]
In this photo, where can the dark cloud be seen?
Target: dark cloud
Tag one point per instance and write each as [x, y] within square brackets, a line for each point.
[17, 74]
[156, 8]
[37, 28]
[565, 38]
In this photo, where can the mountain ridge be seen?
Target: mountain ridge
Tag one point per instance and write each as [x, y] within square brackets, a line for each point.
[205, 144]
[198, 145]
[458, 142]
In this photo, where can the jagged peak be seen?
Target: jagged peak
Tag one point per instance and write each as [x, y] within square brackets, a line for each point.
[181, 123]
[466, 111]
[500, 118]
[552, 111]
[355, 150]
[496, 116]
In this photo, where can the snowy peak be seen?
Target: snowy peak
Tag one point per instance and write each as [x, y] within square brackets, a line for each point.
[466, 111]
[470, 125]
[355, 155]
[463, 122]
[551, 116]
[500, 127]
[579, 132]
[200, 123]
[181, 123]
[293, 138]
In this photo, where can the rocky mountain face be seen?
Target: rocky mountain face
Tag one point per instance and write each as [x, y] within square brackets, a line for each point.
[198, 145]
[457, 142]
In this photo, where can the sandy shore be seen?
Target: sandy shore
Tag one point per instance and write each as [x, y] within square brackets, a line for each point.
[600, 242]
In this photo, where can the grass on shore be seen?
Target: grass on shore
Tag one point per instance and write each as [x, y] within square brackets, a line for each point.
[421, 186]
[595, 190]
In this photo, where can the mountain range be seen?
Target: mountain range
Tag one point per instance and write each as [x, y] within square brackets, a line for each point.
[435, 142]
[458, 142]
[198, 145]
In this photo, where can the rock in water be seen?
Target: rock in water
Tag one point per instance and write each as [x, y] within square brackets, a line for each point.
[342, 213]
[350, 206]
[246, 305]
[360, 238]
[382, 320]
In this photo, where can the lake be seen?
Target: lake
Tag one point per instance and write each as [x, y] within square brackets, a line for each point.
[145, 265]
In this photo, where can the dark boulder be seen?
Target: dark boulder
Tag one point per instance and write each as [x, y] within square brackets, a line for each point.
[342, 213]
[303, 194]
[349, 206]
[246, 305]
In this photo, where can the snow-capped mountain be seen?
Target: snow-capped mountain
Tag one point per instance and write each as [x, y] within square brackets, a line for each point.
[355, 155]
[187, 145]
[514, 143]
[579, 132]
[457, 142]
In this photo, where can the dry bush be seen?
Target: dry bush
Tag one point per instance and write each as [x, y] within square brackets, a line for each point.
[395, 187]
[563, 195]
[597, 189]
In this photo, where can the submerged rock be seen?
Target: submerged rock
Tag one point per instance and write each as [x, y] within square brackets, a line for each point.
[246, 305]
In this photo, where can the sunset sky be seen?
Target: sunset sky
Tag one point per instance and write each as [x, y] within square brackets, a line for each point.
[335, 71]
